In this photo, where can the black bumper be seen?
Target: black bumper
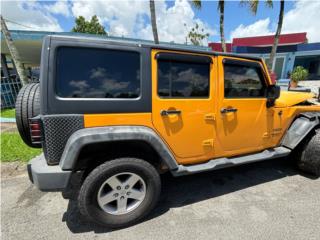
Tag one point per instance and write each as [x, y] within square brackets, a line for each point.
[47, 178]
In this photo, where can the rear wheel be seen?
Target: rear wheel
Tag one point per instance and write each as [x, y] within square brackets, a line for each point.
[120, 192]
[308, 156]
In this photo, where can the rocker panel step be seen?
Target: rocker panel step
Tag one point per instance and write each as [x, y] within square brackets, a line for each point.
[230, 162]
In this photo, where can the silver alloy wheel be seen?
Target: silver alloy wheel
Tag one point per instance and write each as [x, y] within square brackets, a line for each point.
[121, 193]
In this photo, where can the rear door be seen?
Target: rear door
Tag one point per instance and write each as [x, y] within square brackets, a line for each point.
[182, 103]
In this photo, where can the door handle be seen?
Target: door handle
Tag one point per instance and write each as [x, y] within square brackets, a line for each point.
[168, 112]
[227, 110]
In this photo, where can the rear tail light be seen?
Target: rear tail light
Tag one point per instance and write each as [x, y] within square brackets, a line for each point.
[35, 130]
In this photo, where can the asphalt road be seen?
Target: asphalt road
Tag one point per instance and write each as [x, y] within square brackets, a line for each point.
[268, 200]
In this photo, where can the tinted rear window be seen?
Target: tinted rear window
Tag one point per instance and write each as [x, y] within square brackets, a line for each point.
[97, 73]
[183, 79]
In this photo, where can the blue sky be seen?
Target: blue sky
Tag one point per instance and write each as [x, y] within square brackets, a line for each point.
[235, 14]
[131, 18]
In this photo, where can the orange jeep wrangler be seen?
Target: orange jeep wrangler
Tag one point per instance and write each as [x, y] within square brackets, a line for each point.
[120, 113]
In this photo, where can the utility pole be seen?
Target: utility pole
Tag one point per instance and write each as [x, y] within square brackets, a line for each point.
[14, 52]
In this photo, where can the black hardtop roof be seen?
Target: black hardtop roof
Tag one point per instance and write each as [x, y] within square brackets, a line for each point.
[147, 44]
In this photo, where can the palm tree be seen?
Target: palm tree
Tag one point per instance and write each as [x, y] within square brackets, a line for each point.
[154, 22]
[276, 37]
[221, 10]
[253, 4]
[197, 4]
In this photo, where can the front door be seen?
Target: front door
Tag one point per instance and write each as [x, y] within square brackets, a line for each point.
[242, 114]
[182, 104]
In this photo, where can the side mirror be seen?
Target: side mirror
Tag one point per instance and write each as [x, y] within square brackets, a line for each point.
[273, 93]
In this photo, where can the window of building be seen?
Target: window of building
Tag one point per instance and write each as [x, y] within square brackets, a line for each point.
[241, 81]
[312, 63]
[183, 79]
[97, 73]
[278, 67]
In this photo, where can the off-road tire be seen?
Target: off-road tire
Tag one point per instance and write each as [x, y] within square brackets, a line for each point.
[27, 106]
[308, 156]
[87, 199]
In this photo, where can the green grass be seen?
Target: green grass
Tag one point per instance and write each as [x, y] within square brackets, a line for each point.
[14, 149]
[8, 113]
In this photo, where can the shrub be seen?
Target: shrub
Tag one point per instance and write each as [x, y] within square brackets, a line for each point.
[299, 73]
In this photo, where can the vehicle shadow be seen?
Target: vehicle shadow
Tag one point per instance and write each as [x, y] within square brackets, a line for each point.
[182, 191]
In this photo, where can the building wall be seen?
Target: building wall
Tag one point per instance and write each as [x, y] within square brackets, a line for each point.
[289, 59]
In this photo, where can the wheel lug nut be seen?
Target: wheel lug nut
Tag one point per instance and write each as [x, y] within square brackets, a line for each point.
[127, 186]
[128, 193]
[116, 195]
[118, 188]
[122, 198]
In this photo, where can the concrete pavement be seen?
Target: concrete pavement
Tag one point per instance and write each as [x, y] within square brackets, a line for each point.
[267, 200]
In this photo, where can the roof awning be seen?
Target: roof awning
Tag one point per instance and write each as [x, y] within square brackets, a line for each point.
[29, 43]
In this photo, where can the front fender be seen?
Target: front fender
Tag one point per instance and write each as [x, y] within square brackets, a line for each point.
[86, 136]
[300, 128]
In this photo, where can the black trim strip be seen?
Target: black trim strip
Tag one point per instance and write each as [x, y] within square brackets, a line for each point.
[240, 62]
[183, 58]
[150, 45]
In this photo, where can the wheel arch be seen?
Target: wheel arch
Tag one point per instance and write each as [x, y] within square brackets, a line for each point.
[125, 136]
[300, 128]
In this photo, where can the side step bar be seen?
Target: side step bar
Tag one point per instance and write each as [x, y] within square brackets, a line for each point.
[230, 162]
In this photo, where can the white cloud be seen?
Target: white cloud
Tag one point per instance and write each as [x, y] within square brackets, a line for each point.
[132, 18]
[174, 22]
[119, 16]
[303, 17]
[30, 14]
[59, 7]
[259, 28]
[129, 18]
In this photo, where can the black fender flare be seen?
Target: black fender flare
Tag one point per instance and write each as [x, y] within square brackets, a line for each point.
[86, 136]
[300, 128]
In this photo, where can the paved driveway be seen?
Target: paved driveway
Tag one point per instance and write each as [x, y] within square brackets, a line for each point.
[268, 200]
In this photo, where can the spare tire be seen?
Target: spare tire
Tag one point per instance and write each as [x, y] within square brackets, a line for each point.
[27, 106]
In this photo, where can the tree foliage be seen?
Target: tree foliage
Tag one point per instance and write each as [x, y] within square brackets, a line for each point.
[93, 26]
[253, 5]
[197, 4]
[197, 35]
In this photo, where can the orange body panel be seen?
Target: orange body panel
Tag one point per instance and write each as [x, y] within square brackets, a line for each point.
[201, 133]
[102, 120]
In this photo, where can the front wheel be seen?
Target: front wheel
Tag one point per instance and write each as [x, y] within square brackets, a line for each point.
[308, 156]
[120, 192]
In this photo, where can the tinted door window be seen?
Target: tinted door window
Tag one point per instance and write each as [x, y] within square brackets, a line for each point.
[97, 73]
[242, 81]
[183, 79]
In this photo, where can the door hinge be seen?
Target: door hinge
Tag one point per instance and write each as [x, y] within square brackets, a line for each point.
[207, 143]
[210, 117]
[266, 135]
